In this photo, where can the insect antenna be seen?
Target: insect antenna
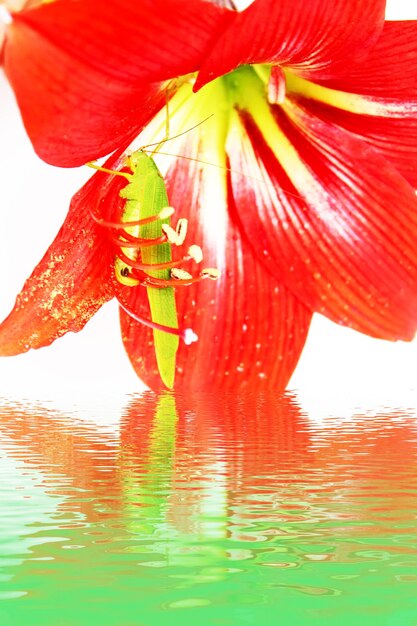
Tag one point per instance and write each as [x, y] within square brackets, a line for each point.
[232, 170]
[168, 138]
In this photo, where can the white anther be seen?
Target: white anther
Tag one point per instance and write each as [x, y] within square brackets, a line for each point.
[180, 274]
[182, 227]
[195, 253]
[189, 336]
[170, 233]
[177, 236]
[166, 212]
[211, 272]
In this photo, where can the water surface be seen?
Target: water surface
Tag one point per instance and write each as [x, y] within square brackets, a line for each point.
[207, 510]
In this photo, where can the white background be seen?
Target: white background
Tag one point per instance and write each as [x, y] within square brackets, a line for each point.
[339, 368]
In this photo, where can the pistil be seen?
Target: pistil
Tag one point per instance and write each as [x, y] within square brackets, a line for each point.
[186, 334]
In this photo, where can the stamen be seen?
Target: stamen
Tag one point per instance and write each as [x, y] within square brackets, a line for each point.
[186, 334]
[180, 274]
[177, 236]
[156, 266]
[132, 272]
[184, 281]
[170, 233]
[211, 272]
[166, 212]
[137, 242]
[162, 215]
[124, 274]
[189, 336]
[195, 253]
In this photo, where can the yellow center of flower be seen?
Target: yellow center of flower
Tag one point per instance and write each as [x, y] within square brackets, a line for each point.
[255, 90]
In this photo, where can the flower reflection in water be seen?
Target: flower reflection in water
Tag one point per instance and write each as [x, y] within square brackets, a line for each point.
[242, 506]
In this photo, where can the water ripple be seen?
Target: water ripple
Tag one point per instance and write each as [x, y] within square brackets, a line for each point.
[220, 509]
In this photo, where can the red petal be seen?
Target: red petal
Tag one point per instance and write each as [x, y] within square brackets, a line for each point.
[385, 113]
[87, 79]
[393, 134]
[150, 40]
[73, 121]
[317, 39]
[390, 70]
[251, 329]
[338, 224]
[70, 283]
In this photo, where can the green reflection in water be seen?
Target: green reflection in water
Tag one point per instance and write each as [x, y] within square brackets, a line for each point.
[207, 510]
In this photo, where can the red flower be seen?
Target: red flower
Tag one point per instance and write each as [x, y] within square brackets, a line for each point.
[251, 329]
[314, 112]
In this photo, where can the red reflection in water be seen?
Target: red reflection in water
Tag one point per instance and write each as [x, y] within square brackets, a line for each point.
[258, 452]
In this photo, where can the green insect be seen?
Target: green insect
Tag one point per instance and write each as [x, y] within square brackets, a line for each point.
[145, 238]
[146, 197]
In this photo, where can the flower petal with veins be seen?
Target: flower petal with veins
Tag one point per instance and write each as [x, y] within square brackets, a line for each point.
[89, 78]
[251, 328]
[319, 39]
[335, 222]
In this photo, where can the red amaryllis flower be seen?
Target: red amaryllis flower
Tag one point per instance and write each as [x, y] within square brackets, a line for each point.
[307, 193]
[251, 329]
